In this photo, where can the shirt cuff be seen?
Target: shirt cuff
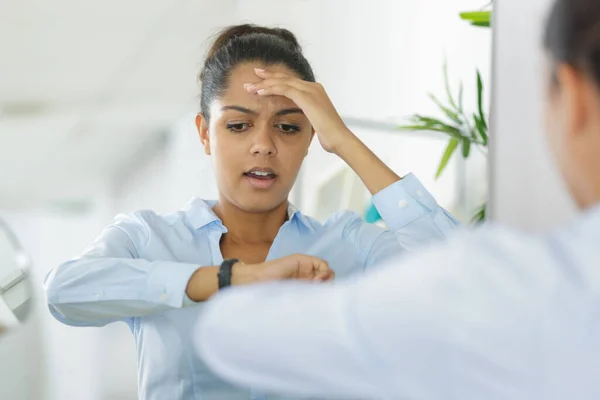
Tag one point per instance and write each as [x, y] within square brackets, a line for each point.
[167, 283]
[403, 202]
[187, 302]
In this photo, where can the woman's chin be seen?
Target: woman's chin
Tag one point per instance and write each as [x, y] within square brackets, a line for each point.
[260, 204]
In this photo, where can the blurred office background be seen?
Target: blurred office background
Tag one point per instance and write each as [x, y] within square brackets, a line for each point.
[97, 101]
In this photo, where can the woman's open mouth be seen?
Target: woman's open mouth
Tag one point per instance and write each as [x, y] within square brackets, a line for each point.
[261, 178]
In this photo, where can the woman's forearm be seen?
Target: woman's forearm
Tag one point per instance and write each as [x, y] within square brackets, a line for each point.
[204, 282]
[372, 171]
[94, 291]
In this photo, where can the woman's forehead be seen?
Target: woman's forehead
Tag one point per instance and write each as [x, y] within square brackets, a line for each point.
[236, 94]
[245, 72]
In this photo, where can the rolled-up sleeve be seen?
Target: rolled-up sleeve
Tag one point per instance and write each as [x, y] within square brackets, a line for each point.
[407, 201]
[110, 282]
[414, 219]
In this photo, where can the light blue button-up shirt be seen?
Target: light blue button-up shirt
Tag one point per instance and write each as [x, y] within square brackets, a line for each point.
[494, 314]
[138, 269]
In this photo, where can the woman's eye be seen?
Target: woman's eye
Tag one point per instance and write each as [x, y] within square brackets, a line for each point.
[238, 127]
[287, 128]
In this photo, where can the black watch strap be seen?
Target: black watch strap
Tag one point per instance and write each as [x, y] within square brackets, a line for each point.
[225, 271]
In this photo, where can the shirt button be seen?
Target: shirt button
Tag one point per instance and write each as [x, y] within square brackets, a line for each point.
[420, 193]
[164, 297]
[402, 203]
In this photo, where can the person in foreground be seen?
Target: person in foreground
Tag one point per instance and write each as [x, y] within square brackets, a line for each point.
[494, 314]
[260, 108]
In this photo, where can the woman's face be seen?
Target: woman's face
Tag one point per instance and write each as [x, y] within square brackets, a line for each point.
[257, 143]
[554, 117]
[572, 126]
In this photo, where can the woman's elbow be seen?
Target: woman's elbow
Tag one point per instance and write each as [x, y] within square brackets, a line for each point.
[61, 303]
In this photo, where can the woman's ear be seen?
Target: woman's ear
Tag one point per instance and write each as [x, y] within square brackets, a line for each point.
[202, 126]
[573, 85]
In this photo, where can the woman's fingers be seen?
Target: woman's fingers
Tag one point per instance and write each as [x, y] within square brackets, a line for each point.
[271, 82]
[270, 79]
[264, 74]
[279, 90]
[322, 272]
[312, 98]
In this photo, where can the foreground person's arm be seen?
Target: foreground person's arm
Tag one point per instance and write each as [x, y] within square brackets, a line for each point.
[465, 321]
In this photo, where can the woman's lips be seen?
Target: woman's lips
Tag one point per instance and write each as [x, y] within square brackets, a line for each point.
[260, 182]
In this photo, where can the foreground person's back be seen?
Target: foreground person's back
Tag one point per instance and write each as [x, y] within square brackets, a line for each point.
[495, 314]
[492, 314]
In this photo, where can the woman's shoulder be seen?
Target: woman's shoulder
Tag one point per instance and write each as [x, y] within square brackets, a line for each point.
[197, 212]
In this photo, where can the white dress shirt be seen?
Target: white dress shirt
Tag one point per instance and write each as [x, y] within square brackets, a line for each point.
[491, 314]
[138, 269]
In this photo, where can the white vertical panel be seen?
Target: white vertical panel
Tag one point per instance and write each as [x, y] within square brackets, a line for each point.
[527, 191]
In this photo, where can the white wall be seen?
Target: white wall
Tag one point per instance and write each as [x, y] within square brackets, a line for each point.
[168, 176]
[526, 189]
[49, 360]
[377, 61]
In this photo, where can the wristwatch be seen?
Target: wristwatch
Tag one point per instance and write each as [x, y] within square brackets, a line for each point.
[225, 270]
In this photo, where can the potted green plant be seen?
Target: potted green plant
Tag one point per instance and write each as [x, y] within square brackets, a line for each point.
[465, 130]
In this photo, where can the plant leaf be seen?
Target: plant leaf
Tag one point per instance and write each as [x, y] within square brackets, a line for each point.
[427, 120]
[480, 99]
[414, 128]
[476, 16]
[447, 84]
[480, 216]
[452, 145]
[449, 113]
[453, 134]
[481, 128]
[466, 147]
[425, 123]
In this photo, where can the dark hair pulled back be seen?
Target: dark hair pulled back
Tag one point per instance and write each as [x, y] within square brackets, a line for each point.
[240, 44]
[573, 35]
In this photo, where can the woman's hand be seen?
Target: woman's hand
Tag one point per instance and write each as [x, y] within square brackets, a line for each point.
[297, 266]
[334, 135]
[314, 102]
[203, 284]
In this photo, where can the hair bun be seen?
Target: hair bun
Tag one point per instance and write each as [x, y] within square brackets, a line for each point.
[227, 34]
[248, 43]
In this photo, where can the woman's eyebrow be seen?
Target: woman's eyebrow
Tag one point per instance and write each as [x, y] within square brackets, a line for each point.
[289, 111]
[240, 109]
[245, 110]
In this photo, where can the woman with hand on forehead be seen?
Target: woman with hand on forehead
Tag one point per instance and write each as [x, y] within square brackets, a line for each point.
[260, 110]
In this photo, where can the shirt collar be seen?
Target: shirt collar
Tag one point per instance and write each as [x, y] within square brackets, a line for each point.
[200, 213]
[295, 214]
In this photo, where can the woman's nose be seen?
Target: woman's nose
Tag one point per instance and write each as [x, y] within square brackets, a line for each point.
[262, 142]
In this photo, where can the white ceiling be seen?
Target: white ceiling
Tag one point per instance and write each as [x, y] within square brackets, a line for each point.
[85, 84]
